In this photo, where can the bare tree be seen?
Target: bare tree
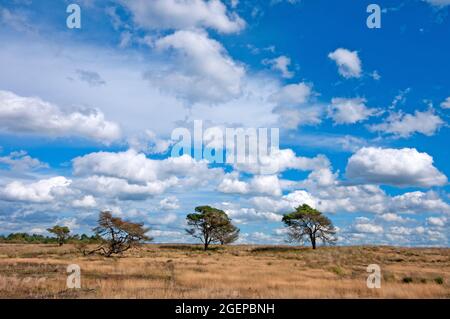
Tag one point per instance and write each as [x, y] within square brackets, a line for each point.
[118, 235]
[307, 223]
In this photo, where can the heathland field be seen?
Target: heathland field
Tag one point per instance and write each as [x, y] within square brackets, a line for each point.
[184, 271]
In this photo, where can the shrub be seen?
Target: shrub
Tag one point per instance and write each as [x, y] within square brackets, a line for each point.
[407, 280]
[439, 280]
[337, 270]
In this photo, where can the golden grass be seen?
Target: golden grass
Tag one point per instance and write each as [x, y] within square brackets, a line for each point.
[182, 271]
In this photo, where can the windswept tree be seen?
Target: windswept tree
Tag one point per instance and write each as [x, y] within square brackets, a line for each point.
[118, 235]
[307, 223]
[211, 225]
[227, 234]
[61, 233]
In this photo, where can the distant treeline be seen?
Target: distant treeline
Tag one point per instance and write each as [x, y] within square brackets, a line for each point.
[18, 238]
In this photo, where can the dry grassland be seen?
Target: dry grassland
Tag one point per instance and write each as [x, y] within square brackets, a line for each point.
[183, 271]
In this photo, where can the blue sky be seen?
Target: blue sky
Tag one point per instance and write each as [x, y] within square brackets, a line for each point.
[86, 115]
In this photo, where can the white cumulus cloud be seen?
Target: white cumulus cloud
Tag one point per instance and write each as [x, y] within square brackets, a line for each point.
[280, 160]
[404, 125]
[292, 94]
[131, 175]
[349, 111]
[281, 64]
[398, 167]
[348, 62]
[169, 203]
[87, 201]
[364, 225]
[183, 14]
[31, 115]
[446, 103]
[201, 71]
[21, 161]
[44, 190]
[437, 221]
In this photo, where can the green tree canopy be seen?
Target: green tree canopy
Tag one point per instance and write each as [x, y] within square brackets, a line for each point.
[307, 223]
[61, 233]
[211, 225]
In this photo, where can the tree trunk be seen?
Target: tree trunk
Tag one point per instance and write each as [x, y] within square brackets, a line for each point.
[206, 245]
[313, 242]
